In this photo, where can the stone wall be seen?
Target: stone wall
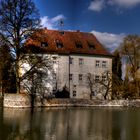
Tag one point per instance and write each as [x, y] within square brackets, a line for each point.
[91, 103]
[16, 100]
[23, 101]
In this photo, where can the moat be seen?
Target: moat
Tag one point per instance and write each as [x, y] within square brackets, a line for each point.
[96, 123]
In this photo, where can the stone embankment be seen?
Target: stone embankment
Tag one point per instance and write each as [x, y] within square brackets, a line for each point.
[91, 103]
[23, 100]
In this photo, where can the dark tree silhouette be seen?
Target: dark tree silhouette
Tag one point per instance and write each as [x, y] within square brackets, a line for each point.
[18, 19]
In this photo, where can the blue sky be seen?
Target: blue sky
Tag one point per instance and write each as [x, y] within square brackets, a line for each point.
[108, 20]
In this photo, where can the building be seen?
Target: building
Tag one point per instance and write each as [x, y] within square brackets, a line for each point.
[74, 54]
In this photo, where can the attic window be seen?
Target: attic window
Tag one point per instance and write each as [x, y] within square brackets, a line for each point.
[61, 32]
[44, 44]
[59, 44]
[78, 44]
[91, 45]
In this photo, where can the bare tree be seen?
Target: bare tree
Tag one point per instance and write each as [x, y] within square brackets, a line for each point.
[130, 49]
[36, 75]
[106, 84]
[18, 19]
[103, 85]
[91, 84]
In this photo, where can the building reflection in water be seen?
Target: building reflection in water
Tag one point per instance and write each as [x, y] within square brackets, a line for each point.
[70, 124]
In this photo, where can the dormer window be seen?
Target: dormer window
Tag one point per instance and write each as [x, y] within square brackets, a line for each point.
[91, 45]
[44, 44]
[78, 44]
[61, 32]
[59, 44]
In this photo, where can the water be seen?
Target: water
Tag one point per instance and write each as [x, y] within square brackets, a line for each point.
[70, 124]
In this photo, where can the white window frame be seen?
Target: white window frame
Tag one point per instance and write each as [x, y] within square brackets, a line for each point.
[71, 60]
[104, 78]
[81, 61]
[97, 78]
[97, 63]
[71, 77]
[74, 93]
[104, 64]
[80, 77]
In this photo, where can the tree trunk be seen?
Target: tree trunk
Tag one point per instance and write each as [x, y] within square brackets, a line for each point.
[17, 77]
[137, 89]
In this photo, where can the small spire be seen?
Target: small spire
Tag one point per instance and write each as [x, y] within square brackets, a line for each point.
[61, 22]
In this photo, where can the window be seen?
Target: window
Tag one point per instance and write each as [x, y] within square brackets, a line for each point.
[97, 63]
[103, 78]
[104, 64]
[59, 44]
[81, 61]
[54, 76]
[97, 78]
[54, 59]
[74, 93]
[78, 44]
[80, 77]
[71, 76]
[61, 32]
[74, 86]
[71, 60]
[91, 45]
[44, 44]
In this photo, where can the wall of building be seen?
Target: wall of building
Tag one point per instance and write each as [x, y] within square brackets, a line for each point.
[71, 71]
[80, 88]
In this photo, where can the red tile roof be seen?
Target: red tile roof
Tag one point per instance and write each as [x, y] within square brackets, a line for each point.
[68, 39]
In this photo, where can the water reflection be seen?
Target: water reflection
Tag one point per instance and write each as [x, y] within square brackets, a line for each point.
[70, 124]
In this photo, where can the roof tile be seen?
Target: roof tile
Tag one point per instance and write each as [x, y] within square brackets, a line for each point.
[69, 40]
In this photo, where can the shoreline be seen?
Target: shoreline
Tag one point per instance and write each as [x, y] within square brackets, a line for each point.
[55, 102]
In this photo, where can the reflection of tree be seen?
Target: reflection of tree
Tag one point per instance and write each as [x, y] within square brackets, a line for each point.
[18, 124]
[60, 124]
[70, 124]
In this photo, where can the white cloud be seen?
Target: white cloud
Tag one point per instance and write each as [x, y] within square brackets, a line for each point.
[109, 40]
[51, 23]
[124, 3]
[96, 5]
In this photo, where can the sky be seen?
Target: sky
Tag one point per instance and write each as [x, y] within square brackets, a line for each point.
[109, 20]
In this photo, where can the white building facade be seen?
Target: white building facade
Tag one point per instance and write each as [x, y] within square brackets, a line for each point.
[75, 55]
[72, 72]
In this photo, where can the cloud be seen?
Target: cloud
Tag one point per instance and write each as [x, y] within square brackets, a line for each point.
[51, 23]
[124, 3]
[109, 40]
[96, 5]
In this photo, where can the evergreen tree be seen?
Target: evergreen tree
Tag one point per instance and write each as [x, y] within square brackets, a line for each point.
[117, 65]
